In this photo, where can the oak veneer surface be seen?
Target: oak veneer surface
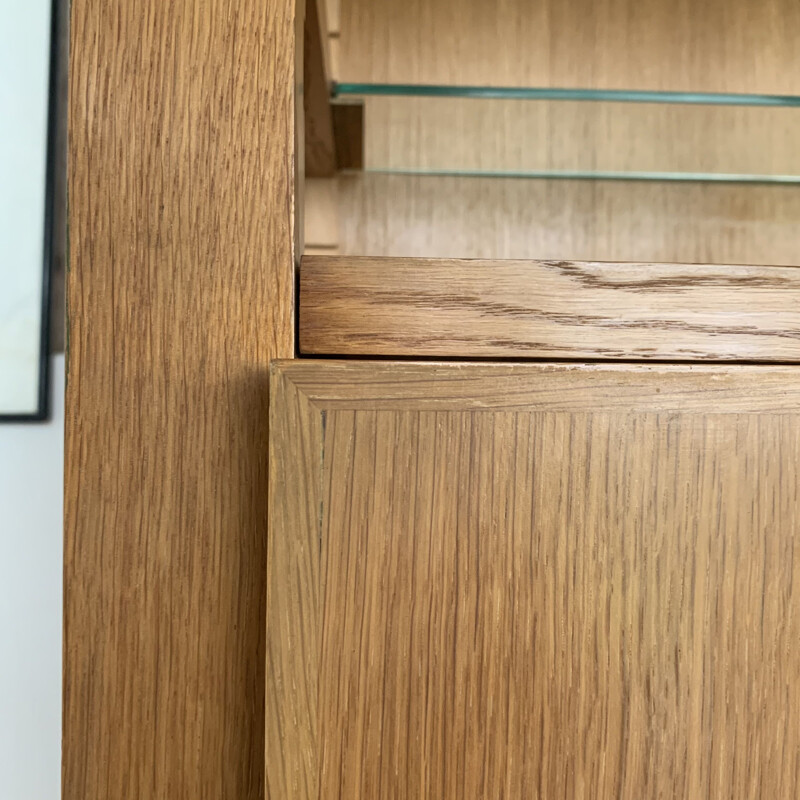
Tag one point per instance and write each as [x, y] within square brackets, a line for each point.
[534, 581]
[500, 309]
[182, 223]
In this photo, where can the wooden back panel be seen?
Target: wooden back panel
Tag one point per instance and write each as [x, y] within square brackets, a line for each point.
[714, 46]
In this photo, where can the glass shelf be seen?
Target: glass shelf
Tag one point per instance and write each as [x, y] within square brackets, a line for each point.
[544, 93]
[555, 133]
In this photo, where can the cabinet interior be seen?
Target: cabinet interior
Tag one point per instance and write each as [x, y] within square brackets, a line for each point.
[578, 130]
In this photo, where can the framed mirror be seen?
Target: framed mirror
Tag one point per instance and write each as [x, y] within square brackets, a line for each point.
[27, 120]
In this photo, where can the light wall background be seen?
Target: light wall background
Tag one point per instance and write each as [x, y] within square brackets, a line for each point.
[31, 481]
[31, 502]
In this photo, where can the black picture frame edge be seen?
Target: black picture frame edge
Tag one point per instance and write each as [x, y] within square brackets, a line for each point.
[42, 413]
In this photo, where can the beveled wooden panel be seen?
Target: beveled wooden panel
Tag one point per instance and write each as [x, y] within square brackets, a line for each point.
[183, 217]
[539, 581]
[490, 309]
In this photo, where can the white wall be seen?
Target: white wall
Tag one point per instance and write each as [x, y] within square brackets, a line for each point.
[24, 71]
[31, 481]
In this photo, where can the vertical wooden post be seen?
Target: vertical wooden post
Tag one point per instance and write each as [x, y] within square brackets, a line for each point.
[183, 238]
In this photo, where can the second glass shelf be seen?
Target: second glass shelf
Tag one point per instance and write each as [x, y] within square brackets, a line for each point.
[579, 134]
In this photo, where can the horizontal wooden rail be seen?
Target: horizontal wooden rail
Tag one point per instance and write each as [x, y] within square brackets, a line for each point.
[451, 308]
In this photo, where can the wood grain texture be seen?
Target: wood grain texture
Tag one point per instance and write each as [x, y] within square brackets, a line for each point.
[555, 583]
[320, 152]
[492, 309]
[574, 388]
[292, 598]
[436, 217]
[182, 181]
[715, 46]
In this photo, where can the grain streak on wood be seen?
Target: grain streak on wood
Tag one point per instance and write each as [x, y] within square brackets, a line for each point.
[553, 309]
[584, 587]
[182, 179]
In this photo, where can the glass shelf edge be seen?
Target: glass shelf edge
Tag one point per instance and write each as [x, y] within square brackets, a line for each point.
[541, 93]
[672, 177]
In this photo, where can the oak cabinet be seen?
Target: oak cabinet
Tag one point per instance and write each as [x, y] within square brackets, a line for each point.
[533, 581]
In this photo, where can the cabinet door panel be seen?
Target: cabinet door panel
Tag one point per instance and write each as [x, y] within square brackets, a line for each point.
[533, 581]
